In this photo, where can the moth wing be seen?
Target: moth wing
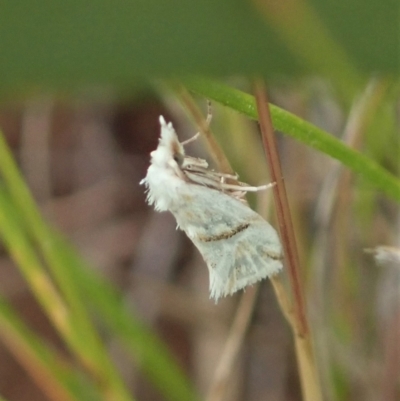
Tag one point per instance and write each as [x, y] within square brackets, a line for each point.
[238, 245]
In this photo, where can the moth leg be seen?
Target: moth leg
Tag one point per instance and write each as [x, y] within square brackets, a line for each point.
[264, 187]
[224, 176]
[246, 188]
[238, 195]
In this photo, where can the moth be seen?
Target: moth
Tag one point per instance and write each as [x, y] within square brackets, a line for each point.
[238, 245]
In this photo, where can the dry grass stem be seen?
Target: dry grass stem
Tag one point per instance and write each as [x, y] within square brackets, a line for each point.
[305, 357]
[282, 207]
[282, 297]
[233, 345]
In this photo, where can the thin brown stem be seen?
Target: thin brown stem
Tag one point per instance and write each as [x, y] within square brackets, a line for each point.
[282, 208]
[295, 314]
[233, 345]
[282, 297]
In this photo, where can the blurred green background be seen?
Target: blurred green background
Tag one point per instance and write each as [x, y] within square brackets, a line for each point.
[64, 45]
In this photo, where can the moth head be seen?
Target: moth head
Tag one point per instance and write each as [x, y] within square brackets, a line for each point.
[170, 152]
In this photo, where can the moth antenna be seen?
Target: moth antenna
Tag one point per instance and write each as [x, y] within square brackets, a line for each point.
[208, 121]
[209, 113]
[192, 139]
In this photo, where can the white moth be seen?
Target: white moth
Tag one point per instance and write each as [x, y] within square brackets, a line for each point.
[238, 245]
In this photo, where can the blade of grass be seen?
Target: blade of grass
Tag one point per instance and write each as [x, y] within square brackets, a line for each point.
[23, 253]
[31, 267]
[301, 130]
[152, 355]
[148, 351]
[69, 317]
[53, 374]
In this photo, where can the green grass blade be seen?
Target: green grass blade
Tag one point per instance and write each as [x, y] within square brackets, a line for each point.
[49, 370]
[69, 315]
[148, 351]
[23, 253]
[301, 130]
[152, 355]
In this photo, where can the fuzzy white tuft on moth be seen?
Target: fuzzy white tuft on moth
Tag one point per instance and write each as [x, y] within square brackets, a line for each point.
[238, 245]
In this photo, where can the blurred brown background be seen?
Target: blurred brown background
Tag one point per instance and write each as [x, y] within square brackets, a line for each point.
[83, 162]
